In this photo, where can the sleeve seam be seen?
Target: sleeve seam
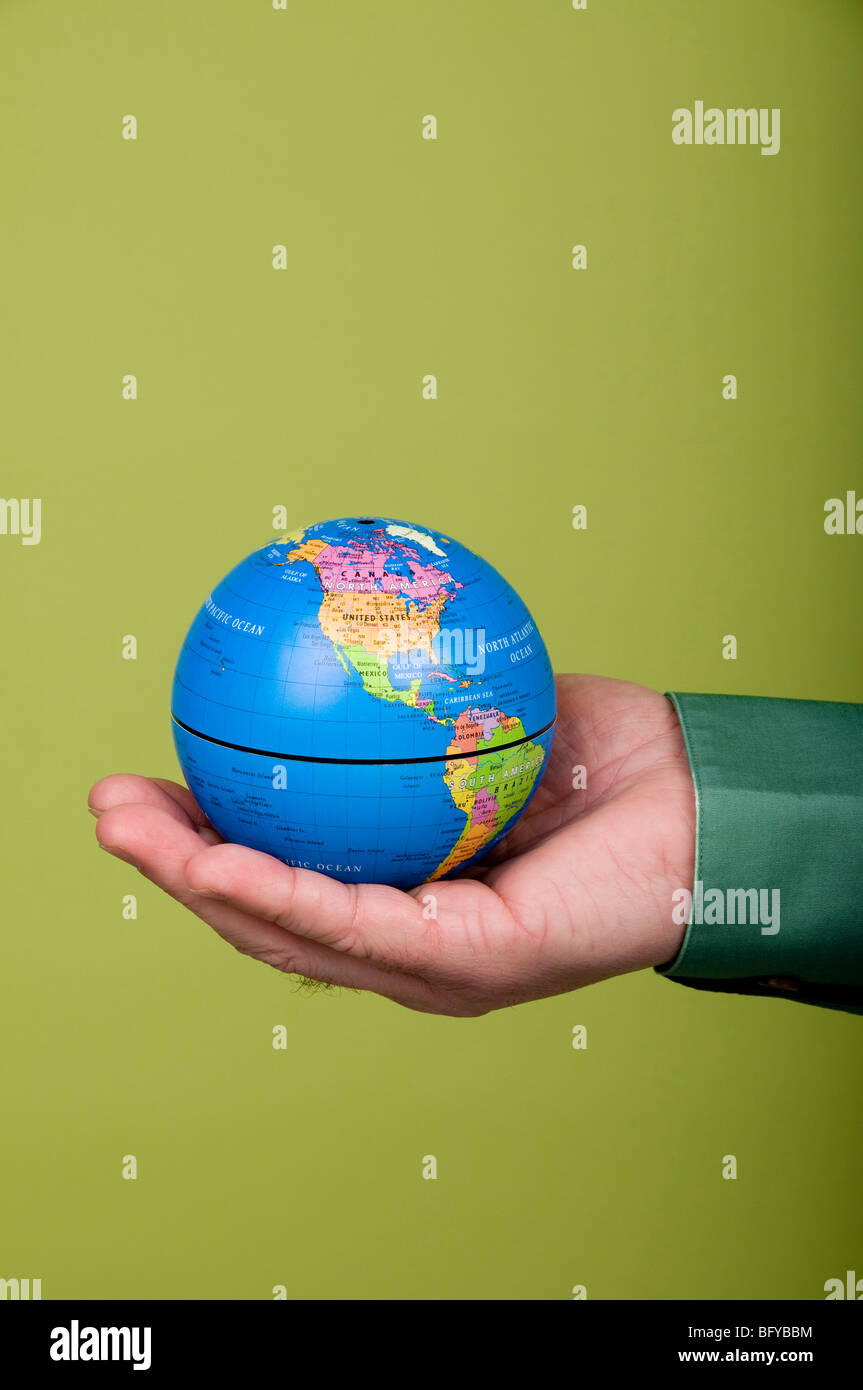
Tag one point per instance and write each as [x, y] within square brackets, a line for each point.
[674, 966]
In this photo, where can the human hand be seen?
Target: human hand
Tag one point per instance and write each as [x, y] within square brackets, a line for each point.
[580, 890]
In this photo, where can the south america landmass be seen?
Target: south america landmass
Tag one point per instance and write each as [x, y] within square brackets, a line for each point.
[489, 783]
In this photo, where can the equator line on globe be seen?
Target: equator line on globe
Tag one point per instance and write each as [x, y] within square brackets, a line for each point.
[367, 698]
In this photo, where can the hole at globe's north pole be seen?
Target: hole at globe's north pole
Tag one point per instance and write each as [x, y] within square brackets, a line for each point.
[365, 521]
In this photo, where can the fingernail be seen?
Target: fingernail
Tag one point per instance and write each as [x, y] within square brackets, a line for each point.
[118, 854]
[207, 892]
[94, 811]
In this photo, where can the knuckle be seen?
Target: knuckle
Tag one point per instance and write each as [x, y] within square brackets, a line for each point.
[278, 958]
[466, 1010]
[350, 939]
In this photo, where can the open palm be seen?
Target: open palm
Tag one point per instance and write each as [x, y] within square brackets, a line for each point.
[580, 890]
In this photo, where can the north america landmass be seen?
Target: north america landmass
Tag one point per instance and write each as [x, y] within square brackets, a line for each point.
[382, 599]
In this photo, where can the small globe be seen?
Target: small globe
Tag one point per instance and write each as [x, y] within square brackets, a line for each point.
[366, 698]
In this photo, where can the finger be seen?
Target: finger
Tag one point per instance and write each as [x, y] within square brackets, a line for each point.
[160, 846]
[184, 798]
[425, 930]
[126, 788]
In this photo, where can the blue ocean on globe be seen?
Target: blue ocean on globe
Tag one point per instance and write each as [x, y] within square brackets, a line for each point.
[366, 698]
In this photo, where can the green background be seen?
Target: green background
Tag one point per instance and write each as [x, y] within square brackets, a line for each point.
[258, 388]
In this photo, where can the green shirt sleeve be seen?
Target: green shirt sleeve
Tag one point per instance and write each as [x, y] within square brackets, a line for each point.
[777, 903]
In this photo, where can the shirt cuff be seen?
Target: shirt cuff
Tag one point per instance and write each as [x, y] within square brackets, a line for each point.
[777, 903]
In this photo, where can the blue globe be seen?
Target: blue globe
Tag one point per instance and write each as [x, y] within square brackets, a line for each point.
[366, 698]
